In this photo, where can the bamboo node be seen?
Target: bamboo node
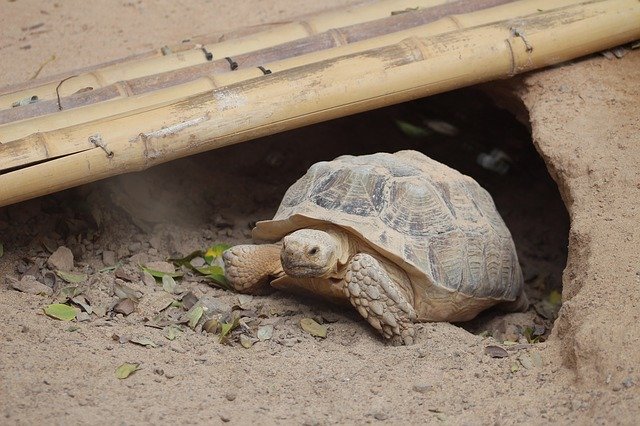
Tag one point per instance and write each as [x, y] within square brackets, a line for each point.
[517, 33]
[100, 143]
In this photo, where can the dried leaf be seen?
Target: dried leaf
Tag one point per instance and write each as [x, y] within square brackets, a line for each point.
[313, 328]
[169, 284]
[525, 361]
[69, 292]
[126, 292]
[194, 316]
[144, 341]
[71, 277]
[536, 359]
[244, 300]
[172, 332]
[211, 325]
[496, 351]
[265, 332]
[125, 307]
[61, 311]
[515, 367]
[82, 302]
[126, 369]
[189, 300]
[246, 341]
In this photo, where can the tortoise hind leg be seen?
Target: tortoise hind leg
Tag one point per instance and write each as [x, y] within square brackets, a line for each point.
[379, 300]
[521, 304]
[249, 267]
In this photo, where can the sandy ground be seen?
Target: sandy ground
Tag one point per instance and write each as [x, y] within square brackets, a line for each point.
[578, 121]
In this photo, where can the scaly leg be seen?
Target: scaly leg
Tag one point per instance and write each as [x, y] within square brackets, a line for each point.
[249, 267]
[379, 300]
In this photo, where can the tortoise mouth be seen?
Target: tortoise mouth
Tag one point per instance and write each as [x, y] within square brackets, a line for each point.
[301, 270]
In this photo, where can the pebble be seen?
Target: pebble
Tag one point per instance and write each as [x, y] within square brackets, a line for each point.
[230, 396]
[225, 418]
[380, 416]
[109, 258]
[135, 246]
[61, 259]
[422, 387]
[29, 284]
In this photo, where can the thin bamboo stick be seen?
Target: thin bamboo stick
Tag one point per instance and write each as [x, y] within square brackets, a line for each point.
[413, 68]
[321, 41]
[278, 35]
[23, 128]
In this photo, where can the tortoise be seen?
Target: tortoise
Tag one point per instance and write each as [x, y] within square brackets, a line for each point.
[402, 237]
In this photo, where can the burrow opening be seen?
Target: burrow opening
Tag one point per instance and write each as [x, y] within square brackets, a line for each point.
[218, 195]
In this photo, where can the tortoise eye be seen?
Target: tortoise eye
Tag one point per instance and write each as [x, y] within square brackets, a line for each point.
[313, 251]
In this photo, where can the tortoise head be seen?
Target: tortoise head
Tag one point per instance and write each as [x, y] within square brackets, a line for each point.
[309, 253]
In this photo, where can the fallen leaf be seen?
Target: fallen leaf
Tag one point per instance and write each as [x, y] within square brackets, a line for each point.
[126, 369]
[496, 351]
[61, 311]
[125, 307]
[82, 302]
[159, 274]
[515, 367]
[69, 292]
[185, 261]
[189, 300]
[71, 277]
[525, 361]
[144, 341]
[313, 328]
[412, 130]
[126, 292]
[169, 284]
[227, 327]
[172, 332]
[536, 359]
[194, 316]
[246, 341]
[555, 297]
[211, 325]
[265, 332]
[214, 252]
[244, 300]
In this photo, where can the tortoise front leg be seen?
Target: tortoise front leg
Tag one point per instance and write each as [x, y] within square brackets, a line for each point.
[379, 300]
[249, 267]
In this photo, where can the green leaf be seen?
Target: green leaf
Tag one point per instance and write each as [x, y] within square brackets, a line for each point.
[61, 311]
[215, 252]
[71, 277]
[555, 297]
[412, 130]
[125, 370]
[194, 315]
[313, 328]
[216, 274]
[160, 274]
[227, 327]
[185, 261]
[111, 268]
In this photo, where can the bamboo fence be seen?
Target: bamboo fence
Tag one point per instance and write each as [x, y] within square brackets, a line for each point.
[154, 64]
[417, 66]
[320, 41]
[23, 128]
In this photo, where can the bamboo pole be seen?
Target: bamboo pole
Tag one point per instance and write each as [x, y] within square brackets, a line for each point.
[415, 67]
[321, 41]
[97, 111]
[278, 35]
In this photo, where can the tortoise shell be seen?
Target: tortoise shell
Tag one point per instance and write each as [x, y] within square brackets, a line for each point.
[437, 224]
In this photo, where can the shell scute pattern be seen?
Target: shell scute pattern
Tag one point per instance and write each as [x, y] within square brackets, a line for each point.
[416, 211]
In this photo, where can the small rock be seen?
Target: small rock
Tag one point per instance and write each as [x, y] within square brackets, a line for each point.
[109, 258]
[135, 246]
[125, 307]
[61, 259]
[225, 418]
[29, 284]
[422, 387]
[214, 305]
[230, 396]
[628, 382]
[380, 416]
